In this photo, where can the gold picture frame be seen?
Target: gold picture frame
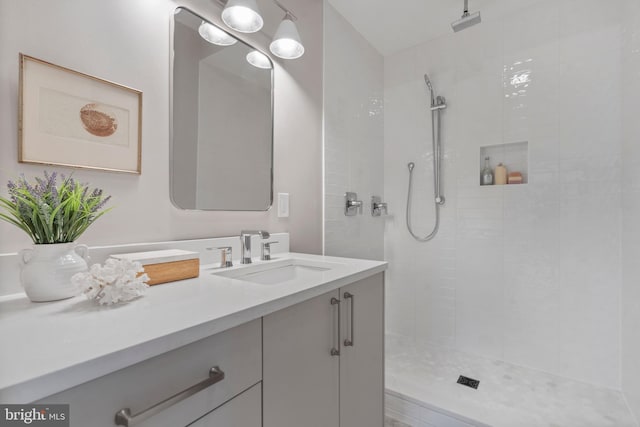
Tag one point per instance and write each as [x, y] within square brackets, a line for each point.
[68, 118]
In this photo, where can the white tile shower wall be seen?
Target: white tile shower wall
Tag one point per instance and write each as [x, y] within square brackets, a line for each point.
[527, 274]
[631, 206]
[353, 120]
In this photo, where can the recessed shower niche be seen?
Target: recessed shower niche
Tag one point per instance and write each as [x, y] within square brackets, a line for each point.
[514, 156]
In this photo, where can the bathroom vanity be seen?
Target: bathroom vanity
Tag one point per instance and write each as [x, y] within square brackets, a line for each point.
[296, 341]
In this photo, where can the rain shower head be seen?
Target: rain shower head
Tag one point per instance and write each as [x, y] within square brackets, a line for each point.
[467, 20]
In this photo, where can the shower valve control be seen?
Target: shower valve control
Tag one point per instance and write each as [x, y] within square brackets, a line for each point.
[352, 206]
[378, 207]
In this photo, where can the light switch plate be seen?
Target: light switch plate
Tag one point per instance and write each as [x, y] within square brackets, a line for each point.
[283, 205]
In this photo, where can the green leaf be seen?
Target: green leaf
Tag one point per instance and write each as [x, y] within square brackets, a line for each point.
[49, 216]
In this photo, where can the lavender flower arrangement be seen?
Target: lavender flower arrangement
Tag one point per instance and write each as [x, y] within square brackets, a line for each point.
[51, 213]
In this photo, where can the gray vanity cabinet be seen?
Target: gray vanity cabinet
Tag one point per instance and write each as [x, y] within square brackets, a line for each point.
[315, 376]
[318, 363]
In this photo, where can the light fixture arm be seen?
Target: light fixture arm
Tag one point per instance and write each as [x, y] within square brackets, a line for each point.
[288, 13]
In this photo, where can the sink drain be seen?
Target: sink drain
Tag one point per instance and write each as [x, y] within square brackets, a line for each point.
[469, 382]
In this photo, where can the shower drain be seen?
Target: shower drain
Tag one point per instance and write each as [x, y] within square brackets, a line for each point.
[469, 382]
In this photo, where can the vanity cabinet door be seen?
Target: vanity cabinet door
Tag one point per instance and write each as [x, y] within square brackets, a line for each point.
[362, 359]
[300, 375]
[244, 410]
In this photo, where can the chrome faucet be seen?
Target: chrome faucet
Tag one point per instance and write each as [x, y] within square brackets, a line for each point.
[245, 243]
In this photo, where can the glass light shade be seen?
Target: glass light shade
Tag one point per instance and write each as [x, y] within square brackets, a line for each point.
[243, 16]
[286, 43]
[215, 35]
[259, 60]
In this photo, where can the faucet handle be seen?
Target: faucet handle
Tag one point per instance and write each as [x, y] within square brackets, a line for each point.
[226, 256]
[352, 206]
[266, 251]
[378, 207]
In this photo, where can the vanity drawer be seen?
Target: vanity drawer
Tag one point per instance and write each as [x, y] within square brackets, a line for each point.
[241, 411]
[236, 352]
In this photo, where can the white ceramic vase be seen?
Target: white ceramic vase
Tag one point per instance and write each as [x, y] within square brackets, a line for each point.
[47, 270]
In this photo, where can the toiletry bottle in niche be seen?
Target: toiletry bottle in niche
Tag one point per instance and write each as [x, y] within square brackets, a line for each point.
[486, 177]
[500, 175]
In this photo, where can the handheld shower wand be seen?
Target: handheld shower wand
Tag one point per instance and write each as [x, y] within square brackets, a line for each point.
[438, 103]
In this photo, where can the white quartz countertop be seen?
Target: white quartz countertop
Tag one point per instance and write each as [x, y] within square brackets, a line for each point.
[49, 347]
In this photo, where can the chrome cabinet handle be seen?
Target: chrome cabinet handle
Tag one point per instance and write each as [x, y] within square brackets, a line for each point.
[126, 419]
[336, 303]
[348, 342]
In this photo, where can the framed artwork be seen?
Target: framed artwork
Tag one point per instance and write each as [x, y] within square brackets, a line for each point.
[68, 118]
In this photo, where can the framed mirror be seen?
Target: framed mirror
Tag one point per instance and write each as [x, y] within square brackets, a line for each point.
[221, 119]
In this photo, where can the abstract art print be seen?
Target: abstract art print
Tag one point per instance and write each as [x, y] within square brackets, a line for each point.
[68, 118]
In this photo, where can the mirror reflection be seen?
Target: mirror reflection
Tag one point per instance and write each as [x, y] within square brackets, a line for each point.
[222, 122]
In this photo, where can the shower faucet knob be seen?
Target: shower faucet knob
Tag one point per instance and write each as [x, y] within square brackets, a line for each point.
[352, 206]
[378, 207]
[355, 204]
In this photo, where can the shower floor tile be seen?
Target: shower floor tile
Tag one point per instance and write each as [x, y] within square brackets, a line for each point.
[508, 395]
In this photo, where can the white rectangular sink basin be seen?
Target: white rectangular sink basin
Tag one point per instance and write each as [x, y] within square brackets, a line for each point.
[281, 271]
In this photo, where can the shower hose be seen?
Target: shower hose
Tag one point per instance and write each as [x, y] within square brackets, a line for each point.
[438, 198]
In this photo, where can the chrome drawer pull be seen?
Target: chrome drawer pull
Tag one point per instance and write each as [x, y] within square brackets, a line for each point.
[124, 417]
[348, 342]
